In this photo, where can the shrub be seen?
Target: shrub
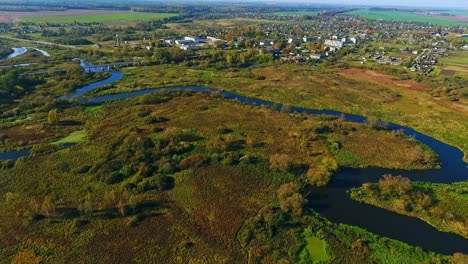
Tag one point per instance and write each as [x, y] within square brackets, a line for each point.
[155, 119]
[44, 149]
[193, 161]
[318, 177]
[230, 158]
[330, 164]
[216, 144]
[114, 177]
[280, 162]
[290, 200]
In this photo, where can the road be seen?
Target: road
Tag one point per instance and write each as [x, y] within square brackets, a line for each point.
[40, 42]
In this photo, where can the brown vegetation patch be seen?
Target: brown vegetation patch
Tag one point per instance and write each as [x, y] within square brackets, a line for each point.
[384, 79]
[269, 73]
[448, 72]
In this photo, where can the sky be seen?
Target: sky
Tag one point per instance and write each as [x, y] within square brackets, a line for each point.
[459, 4]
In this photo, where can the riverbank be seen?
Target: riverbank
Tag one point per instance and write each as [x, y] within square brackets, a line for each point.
[441, 205]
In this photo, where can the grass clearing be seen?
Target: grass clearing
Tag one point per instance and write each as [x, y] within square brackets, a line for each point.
[75, 137]
[315, 249]
[403, 16]
[98, 18]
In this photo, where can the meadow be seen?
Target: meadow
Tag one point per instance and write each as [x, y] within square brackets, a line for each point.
[403, 16]
[98, 18]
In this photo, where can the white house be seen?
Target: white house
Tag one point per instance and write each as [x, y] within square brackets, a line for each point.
[194, 39]
[334, 43]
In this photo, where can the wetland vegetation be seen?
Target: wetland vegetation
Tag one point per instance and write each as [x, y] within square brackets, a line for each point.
[205, 176]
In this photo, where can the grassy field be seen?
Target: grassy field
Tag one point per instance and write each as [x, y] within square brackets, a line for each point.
[310, 13]
[403, 16]
[456, 61]
[427, 201]
[75, 137]
[98, 18]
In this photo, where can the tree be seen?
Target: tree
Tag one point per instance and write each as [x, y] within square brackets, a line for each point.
[394, 185]
[48, 206]
[290, 199]
[319, 176]
[88, 205]
[110, 200]
[52, 117]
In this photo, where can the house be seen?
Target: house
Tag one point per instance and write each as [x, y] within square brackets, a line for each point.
[213, 39]
[336, 44]
[149, 48]
[305, 39]
[317, 56]
[194, 39]
[184, 42]
[168, 40]
[291, 40]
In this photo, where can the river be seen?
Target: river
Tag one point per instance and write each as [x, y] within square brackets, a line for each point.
[333, 202]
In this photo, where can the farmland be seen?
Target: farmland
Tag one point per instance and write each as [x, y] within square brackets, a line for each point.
[9, 16]
[403, 16]
[98, 18]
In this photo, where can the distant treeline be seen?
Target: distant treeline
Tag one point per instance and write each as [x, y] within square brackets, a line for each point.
[18, 8]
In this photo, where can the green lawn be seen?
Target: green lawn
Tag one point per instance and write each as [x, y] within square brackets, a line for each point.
[75, 137]
[316, 249]
[311, 13]
[403, 16]
[98, 18]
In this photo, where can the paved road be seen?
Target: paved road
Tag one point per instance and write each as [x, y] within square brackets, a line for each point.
[41, 42]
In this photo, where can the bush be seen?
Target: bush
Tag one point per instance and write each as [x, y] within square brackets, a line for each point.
[114, 177]
[44, 149]
[280, 162]
[193, 161]
[216, 144]
[318, 177]
[155, 119]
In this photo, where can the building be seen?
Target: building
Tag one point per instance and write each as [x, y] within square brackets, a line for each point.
[291, 40]
[184, 42]
[317, 56]
[305, 39]
[194, 39]
[213, 39]
[337, 44]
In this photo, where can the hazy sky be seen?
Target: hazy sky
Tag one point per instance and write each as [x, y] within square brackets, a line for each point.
[460, 4]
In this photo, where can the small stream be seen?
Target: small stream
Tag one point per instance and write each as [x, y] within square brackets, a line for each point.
[333, 202]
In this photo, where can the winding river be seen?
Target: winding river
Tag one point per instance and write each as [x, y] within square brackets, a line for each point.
[22, 50]
[333, 202]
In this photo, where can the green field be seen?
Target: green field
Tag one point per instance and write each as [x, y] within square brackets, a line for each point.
[403, 16]
[98, 18]
[311, 13]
